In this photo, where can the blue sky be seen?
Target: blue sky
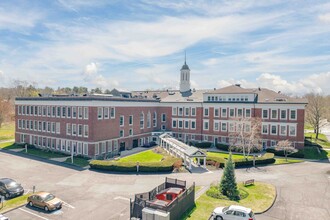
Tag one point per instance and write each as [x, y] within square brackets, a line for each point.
[134, 45]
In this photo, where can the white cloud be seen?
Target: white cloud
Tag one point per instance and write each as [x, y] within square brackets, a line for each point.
[325, 18]
[313, 83]
[18, 19]
[90, 71]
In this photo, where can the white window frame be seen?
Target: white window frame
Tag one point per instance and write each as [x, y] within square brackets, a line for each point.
[74, 130]
[86, 112]
[271, 129]
[216, 110]
[174, 110]
[68, 129]
[121, 121]
[99, 113]
[193, 124]
[86, 128]
[267, 128]
[230, 110]
[245, 114]
[286, 112]
[193, 111]
[226, 126]
[74, 112]
[206, 110]
[280, 132]
[185, 124]
[112, 112]
[262, 113]
[176, 123]
[271, 116]
[80, 112]
[129, 118]
[78, 130]
[222, 113]
[295, 130]
[162, 119]
[186, 111]
[214, 126]
[208, 125]
[295, 110]
[106, 113]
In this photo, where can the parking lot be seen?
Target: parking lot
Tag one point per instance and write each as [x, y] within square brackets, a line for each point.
[302, 189]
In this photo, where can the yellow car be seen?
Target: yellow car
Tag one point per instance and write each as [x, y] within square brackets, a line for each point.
[44, 200]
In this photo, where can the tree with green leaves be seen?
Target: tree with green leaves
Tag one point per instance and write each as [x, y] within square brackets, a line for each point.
[228, 185]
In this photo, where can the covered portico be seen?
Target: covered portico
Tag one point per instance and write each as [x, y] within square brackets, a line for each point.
[180, 149]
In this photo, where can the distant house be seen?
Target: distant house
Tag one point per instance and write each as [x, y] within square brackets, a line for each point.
[123, 94]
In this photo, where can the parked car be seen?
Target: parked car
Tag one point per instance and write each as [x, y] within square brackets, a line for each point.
[2, 217]
[44, 200]
[10, 188]
[233, 212]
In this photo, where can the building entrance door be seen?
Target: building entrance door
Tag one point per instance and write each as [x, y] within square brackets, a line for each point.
[135, 143]
[122, 146]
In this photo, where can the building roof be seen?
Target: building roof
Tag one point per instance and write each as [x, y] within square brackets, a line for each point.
[189, 96]
[233, 89]
[85, 98]
[185, 66]
[263, 95]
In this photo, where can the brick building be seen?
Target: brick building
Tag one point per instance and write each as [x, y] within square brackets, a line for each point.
[96, 126]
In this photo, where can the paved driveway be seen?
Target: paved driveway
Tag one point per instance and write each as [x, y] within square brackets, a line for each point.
[303, 189]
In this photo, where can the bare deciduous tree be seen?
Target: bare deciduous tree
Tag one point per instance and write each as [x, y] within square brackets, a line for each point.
[245, 134]
[286, 147]
[316, 111]
[4, 110]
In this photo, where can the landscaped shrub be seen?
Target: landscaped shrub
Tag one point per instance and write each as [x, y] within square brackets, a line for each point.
[299, 154]
[267, 158]
[225, 147]
[112, 165]
[202, 144]
[214, 192]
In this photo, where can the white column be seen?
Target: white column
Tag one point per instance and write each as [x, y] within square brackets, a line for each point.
[184, 160]
[198, 161]
[190, 163]
[204, 163]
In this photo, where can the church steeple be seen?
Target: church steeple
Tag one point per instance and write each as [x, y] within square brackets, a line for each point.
[185, 76]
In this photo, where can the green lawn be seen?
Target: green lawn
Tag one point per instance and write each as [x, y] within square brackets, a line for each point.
[313, 153]
[226, 155]
[322, 140]
[261, 196]
[43, 153]
[283, 161]
[15, 202]
[10, 145]
[7, 131]
[308, 126]
[78, 161]
[145, 156]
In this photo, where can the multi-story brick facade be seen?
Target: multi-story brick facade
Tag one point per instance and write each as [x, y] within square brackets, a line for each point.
[95, 126]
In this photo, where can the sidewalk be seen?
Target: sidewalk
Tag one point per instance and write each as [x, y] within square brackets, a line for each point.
[6, 141]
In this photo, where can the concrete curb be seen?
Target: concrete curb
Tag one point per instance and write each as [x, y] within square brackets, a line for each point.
[259, 213]
[11, 209]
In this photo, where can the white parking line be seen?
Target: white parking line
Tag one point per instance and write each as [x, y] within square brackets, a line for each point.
[33, 214]
[68, 205]
[122, 198]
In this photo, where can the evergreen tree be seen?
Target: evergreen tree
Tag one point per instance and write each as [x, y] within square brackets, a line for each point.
[228, 185]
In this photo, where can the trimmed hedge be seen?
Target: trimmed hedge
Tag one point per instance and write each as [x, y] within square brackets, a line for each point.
[112, 165]
[299, 154]
[225, 147]
[201, 145]
[267, 158]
